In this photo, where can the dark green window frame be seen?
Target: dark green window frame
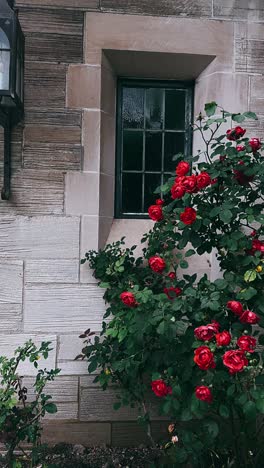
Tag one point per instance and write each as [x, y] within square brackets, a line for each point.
[148, 174]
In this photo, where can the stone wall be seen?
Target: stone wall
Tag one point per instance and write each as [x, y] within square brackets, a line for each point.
[44, 293]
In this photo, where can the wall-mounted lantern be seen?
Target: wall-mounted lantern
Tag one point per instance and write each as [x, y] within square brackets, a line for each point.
[12, 45]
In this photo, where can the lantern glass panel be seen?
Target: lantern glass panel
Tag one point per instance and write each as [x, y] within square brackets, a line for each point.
[4, 61]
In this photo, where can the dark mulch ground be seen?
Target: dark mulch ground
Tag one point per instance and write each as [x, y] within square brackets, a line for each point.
[65, 456]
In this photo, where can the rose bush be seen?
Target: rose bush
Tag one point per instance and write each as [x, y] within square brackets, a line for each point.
[193, 342]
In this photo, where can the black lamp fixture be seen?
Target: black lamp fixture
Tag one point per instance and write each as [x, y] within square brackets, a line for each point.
[12, 46]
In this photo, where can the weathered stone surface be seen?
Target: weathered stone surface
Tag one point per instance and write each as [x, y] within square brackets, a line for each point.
[8, 344]
[249, 56]
[46, 116]
[86, 434]
[76, 4]
[52, 271]
[251, 10]
[87, 184]
[54, 156]
[45, 85]
[62, 389]
[52, 134]
[51, 21]
[257, 94]
[69, 347]
[130, 434]
[62, 308]
[97, 405]
[54, 48]
[35, 193]
[39, 237]
[66, 411]
[160, 7]
[11, 280]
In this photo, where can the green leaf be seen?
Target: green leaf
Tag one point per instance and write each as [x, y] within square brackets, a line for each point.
[260, 405]
[226, 216]
[250, 115]
[238, 118]
[50, 408]
[161, 328]
[249, 410]
[210, 108]
[231, 390]
[189, 253]
[186, 415]
[117, 405]
[261, 339]
[212, 428]
[220, 283]
[184, 264]
[250, 276]
[224, 411]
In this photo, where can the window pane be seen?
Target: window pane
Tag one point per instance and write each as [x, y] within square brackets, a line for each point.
[174, 110]
[132, 193]
[154, 108]
[132, 150]
[174, 144]
[133, 107]
[152, 181]
[4, 69]
[153, 151]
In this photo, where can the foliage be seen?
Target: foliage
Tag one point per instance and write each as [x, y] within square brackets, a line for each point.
[20, 418]
[163, 329]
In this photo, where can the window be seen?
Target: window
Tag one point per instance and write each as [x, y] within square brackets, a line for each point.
[153, 124]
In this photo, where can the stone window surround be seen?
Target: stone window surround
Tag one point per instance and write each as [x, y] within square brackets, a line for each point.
[116, 45]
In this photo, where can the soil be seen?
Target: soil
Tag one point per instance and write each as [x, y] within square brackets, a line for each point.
[66, 456]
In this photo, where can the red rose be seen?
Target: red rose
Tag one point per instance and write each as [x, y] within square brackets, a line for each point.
[128, 299]
[172, 292]
[172, 275]
[159, 201]
[249, 317]
[255, 144]
[222, 158]
[160, 388]
[247, 343]
[223, 338]
[253, 233]
[177, 191]
[240, 148]
[216, 325]
[157, 264]
[188, 216]
[203, 180]
[235, 361]
[236, 307]
[214, 181]
[205, 332]
[204, 393]
[257, 246]
[183, 168]
[242, 178]
[189, 183]
[235, 133]
[155, 212]
[204, 358]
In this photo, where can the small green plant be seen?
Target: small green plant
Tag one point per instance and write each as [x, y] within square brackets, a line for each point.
[20, 420]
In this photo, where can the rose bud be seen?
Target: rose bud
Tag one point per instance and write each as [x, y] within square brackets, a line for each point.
[160, 202]
[203, 180]
[188, 216]
[240, 148]
[234, 134]
[160, 388]
[174, 439]
[172, 275]
[235, 361]
[204, 358]
[157, 264]
[155, 212]
[171, 428]
[255, 144]
[177, 191]
[236, 307]
[183, 168]
[128, 299]
[204, 393]
[223, 338]
[247, 343]
[249, 317]
[172, 293]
